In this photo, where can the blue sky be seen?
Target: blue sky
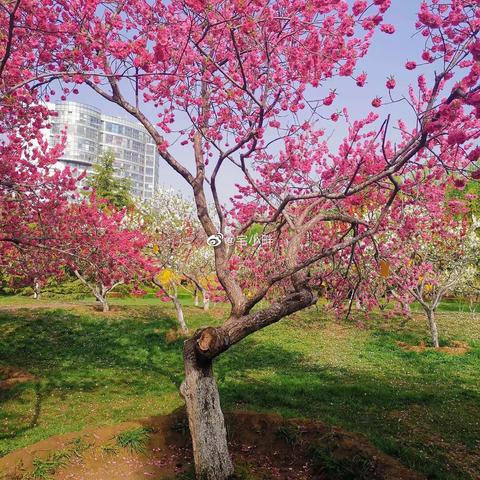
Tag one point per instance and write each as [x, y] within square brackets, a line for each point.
[387, 56]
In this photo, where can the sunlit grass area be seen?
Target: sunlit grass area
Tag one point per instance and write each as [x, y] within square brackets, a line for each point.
[91, 369]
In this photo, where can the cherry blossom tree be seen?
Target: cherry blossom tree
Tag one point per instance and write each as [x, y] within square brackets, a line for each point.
[102, 251]
[419, 255]
[30, 267]
[249, 86]
[32, 196]
[34, 199]
[436, 267]
[438, 263]
[441, 274]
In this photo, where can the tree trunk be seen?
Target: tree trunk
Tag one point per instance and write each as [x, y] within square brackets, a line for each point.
[105, 305]
[199, 389]
[205, 417]
[406, 308]
[433, 327]
[100, 292]
[37, 293]
[206, 301]
[195, 297]
[181, 320]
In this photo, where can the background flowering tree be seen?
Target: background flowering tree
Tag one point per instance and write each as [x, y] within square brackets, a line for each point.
[30, 267]
[102, 251]
[436, 265]
[199, 269]
[419, 255]
[246, 84]
[179, 245]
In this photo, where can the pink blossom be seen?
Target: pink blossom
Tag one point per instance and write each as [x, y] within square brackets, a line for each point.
[328, 100]
[391, 83]
[388, 28]
[359, 7]
[361, 79]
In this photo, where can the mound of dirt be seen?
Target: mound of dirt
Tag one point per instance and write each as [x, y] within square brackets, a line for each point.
[263, 447]
[456, 348]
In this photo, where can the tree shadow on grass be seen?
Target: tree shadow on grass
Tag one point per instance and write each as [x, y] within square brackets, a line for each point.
[262, 377]
[78, 354]
[48, 343]
[71, 354]
[30, 422]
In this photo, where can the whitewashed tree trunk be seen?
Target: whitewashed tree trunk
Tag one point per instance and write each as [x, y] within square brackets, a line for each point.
[176, 302]
[195, 298]
[180, 317]
[199, 288]
[205, 417]
[99, 291]
[206, 300]
[429, 309]
[105, 305]
[37, 292]
[433, 327]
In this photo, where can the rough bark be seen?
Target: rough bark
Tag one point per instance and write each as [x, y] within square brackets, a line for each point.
[433, 327]
[211, 341]
[199, 389]
[205, 416]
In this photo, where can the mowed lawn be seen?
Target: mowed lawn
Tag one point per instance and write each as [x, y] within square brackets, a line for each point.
[91, 369]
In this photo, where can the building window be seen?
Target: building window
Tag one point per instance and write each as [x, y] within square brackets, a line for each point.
[114, 128]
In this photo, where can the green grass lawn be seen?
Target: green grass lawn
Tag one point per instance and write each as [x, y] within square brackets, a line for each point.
[93, 369]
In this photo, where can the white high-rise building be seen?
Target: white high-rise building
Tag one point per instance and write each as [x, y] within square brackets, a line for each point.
[90, 133]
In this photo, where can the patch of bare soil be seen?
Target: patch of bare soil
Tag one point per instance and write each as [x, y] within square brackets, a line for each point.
[265, 446]
[456, 348]
[10, 376]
